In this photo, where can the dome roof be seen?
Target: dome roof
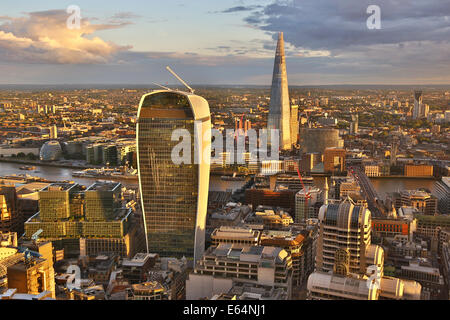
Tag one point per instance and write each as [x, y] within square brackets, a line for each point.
[51, 151]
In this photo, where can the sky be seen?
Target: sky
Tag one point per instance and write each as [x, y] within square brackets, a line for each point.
[230, 42]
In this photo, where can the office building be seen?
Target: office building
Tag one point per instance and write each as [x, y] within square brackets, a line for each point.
[135, 270]
[418, 170]
[174, 196]
[53, 132]
[238, 236]
[348, 265]
[294, 124]
[420, 110]
[346, 227]
[32, 275]
[151, 290]
[223, 266]
[442, 193]
[298, 245]
[422, 200]
[10, 217]
[279, 108]
[316, 140]
[84, 221]
[334, 160]
[305, 204]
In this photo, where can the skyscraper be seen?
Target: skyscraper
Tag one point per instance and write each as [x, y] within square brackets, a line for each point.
[279, 109]
[348, 265]
[348, 227]
[173, 196]
[418, 105]
[294, 124]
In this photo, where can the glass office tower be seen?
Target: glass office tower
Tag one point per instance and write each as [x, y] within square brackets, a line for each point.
[173, 196]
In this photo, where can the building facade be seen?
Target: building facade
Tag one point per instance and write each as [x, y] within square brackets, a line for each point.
[174, 195]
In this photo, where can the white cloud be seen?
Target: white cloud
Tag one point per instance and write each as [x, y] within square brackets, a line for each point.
[43, 37]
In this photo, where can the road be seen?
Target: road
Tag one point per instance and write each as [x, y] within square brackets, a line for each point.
[368, 191]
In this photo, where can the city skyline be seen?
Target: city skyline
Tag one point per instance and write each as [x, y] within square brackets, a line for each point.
[112, 190]
[231, 43]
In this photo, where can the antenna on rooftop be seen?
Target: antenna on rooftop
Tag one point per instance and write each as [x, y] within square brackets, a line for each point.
[179, 79]
[161, 86]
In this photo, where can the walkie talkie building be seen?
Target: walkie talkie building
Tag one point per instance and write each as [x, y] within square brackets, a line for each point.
[173, 196]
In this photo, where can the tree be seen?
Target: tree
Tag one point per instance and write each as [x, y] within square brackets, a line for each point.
[21, 155]
[31, 156]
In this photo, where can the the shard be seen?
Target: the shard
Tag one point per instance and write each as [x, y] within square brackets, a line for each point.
[279, 109]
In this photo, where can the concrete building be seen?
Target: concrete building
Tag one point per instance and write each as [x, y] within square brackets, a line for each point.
[314, 140]
[430, 278]
[418, 170]
[305, 204]
[237, 236]
[346, 227]
[348, 265]
[10, 217]
[151, 290]
[223, 266]
[32, 275]
[301, 247]
[422, 200]
[334, 160]
[135, 270]
[372, 170]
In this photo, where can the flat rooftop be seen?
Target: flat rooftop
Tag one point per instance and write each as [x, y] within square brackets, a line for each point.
[59, 186]
[104, 186]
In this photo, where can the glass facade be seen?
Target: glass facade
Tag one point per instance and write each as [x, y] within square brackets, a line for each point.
[169, 192]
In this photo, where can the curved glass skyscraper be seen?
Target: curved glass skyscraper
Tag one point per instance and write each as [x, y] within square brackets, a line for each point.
[173, 196]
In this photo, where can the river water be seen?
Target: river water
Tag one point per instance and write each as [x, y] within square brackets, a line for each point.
[382, 186]
[61, 174]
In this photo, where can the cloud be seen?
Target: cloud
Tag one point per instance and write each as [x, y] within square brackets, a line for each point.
[325, 24]
[43, 37]
[412, 44]
[240, 9]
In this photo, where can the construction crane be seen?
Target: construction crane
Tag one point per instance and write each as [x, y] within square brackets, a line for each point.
[35, 235]
[307, 192]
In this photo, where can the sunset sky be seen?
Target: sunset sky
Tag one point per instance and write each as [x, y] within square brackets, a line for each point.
[224, 42]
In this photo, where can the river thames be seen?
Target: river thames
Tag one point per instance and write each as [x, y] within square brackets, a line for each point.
[382, 186]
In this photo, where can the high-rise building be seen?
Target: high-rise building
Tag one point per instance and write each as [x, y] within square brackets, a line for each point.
[294, 124]
[10, 218]
[347, 227]
[420, 110]
[348, 265]
[279, 109]
[305, 201]
[354, 124]
[442, 193]
[174, 196]
[53, 132]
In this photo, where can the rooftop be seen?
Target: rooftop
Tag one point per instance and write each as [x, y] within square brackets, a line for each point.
[104, 186]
